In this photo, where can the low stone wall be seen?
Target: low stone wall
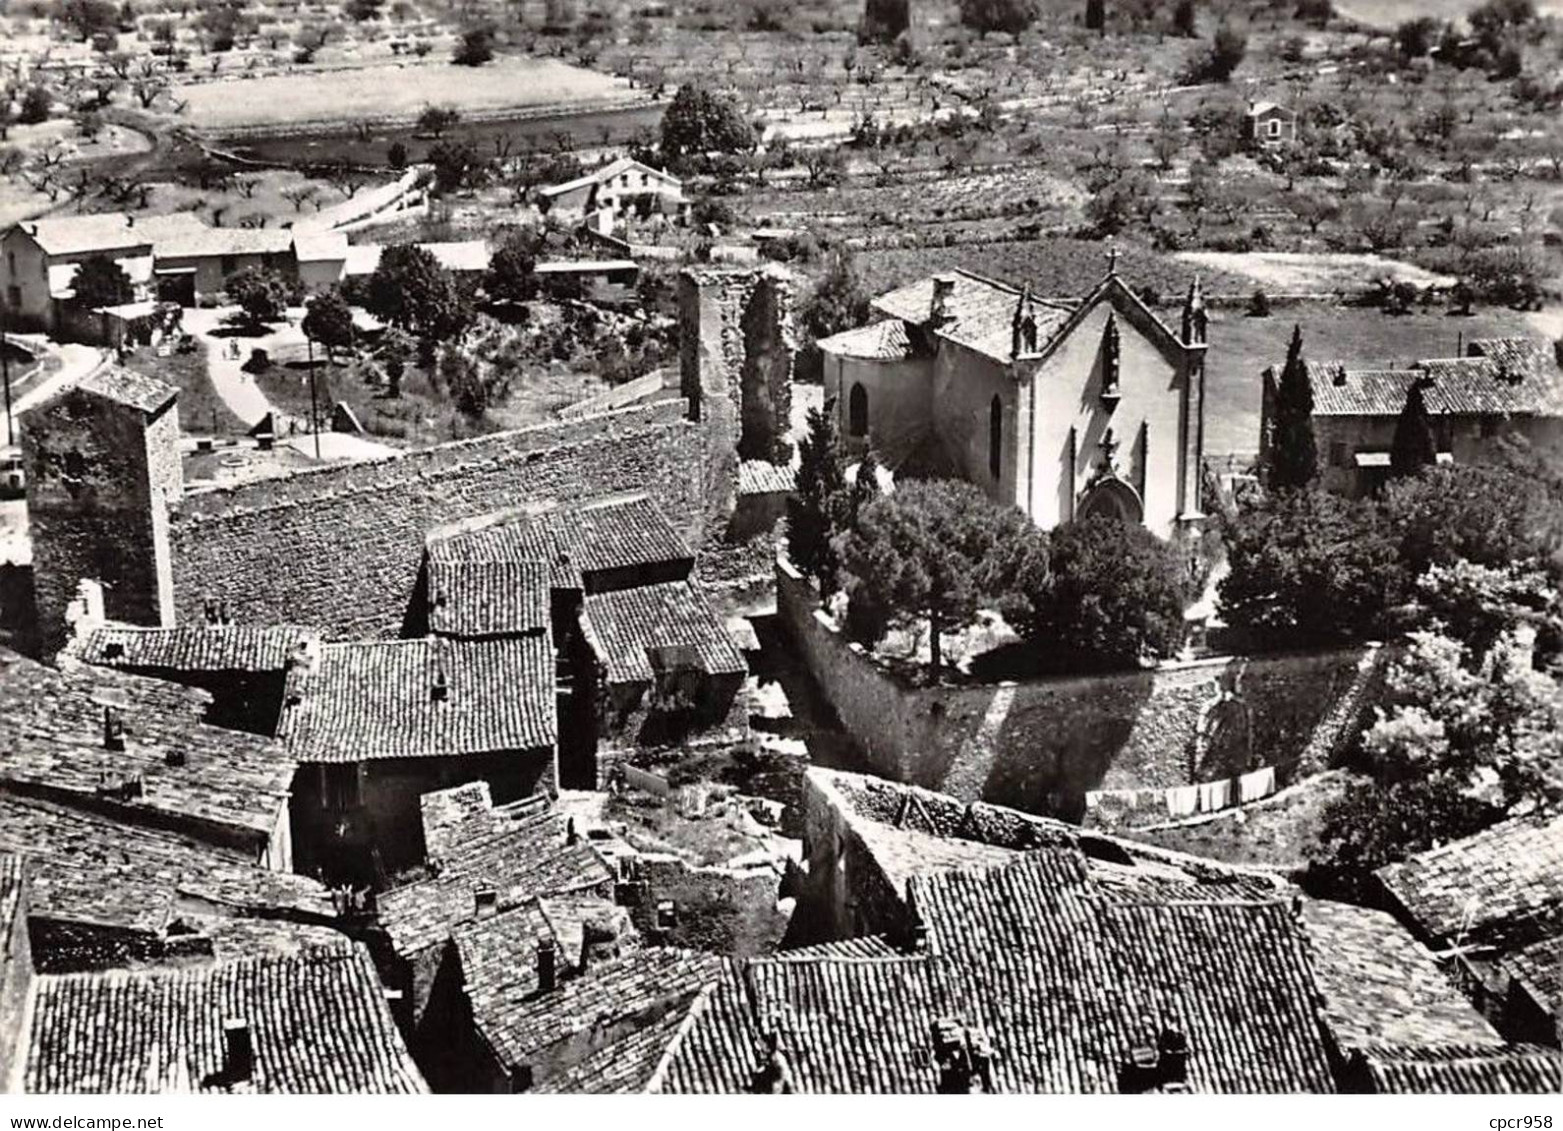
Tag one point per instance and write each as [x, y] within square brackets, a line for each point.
[1042, 745]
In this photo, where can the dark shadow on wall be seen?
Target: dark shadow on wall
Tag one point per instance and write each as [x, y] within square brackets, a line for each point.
[18, 613]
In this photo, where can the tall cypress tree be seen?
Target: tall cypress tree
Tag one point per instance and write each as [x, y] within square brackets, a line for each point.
[813, 508]
[1414, 447]
[1294, 453]
[1096, 15]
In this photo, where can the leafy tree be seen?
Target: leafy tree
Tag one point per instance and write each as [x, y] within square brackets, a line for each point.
[1009, 16]
[1096, 15]
[476, 47]
[1309, 568]
[1414, 38]
[260, 294]
[88, 17]
[100, 281]
[1112, 597]
[1413, 448]
[838, 302]
[929, 553]
[473, 386]
[396, 348]
[1227, 51]
[1490, 515]
[814, 510]
[1185, 19]
[410, 289]
[1294, 452]
[437, 119]
[1373, 824]
[457, 164]
[328, 320]
[1315, 12]
[1477, 605]
[396, 154]
[510, 277]
[36, 105]
[698, 122]
[883, 21]
[361, 10]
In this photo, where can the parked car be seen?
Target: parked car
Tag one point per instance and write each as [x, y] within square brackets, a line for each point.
[12, 482]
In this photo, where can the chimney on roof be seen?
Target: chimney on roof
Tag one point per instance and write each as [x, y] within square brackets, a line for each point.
[547, 963]
[1162, 1065]
[570, 835]
[130, 221]
[175, 756]
[440, 691]
[238, 1050]
[963, 1056]
[485, 901]
[210, 610]
[939, 305]
[1023, 329]
[222, 613]
[113, 729]
[1172, 1055]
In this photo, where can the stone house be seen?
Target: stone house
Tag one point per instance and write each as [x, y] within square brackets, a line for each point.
[1271, 125]
[1063, 410]
[1501, 386]
[604, 197]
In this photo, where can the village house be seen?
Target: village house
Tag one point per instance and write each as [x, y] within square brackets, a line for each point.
[1494, 901]
[1063, 410]
[622, 189]
[375, 725]
[1271, 125]
[597, 280]
[139, 750]
[1500, 386]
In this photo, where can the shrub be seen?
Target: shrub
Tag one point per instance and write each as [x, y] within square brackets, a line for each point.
[476, 47]
[1259, 305]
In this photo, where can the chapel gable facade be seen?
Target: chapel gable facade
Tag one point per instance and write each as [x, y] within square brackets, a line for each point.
[1060, 409]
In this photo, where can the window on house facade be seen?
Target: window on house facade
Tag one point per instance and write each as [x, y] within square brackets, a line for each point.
[341, 786]
[1337, 453]
[10, 262]
[995, 437]
[1275, 127]
[226, 266]
[857, 411]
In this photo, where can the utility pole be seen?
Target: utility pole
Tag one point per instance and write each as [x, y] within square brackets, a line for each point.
[314, 406]
[5, 370]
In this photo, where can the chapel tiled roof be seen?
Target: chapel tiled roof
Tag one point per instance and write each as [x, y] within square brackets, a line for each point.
[195, 648]
[421, 698]
[518, 862]
[1382, 987]
[1456, 1070]
[473, 599]
[90, 869]
[1514, 380]
[127, 387]
[675, 620]
[52, 738]
[1502, 887]
[318, 1023]
[1539, 968]
[885, 340]
[980, 312]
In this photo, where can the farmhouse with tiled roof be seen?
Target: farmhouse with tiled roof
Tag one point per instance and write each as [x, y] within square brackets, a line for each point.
[1061, 409]
[1501, 386]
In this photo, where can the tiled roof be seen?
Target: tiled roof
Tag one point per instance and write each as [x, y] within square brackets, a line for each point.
[341, 546]
[1515, 380]
[600, 535]
[643, 985]
[761, 477]
[127, 387]
[519, 861]
[1503, 886]
[1063, 982]
[1518, 1070]
[13, 886]
[198, 648]
[869, 946]
[196, 777]
[1513, 355]
[1539, 967]
[318, 247]
[203, 242]
[487, 598]
[980, 312]
[885, 340]
[1381, 987]
[383, 699]
[626, 1065]
[318, 1022]
[79, 235]
[675, 621]
[460, 256]
[89, 869]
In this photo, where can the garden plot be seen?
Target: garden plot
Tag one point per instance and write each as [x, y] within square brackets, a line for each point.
[1305, 273]
[278, 103]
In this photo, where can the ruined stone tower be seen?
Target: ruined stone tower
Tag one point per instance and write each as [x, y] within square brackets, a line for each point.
[736, 350]
[102, 465]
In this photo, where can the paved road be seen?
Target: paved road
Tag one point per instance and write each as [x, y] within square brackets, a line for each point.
[76, 361]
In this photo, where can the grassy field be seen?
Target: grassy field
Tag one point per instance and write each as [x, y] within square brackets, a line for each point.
[1241, 348]
[1390, 13]
[382, 93]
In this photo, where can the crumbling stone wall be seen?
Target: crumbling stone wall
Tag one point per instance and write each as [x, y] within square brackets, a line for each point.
[847, 893]
[717, 909]
[95, 494]
[1040, 746]
[341, 547]
[736, 349]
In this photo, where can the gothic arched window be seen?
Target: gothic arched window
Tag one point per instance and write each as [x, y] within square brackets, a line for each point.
[857, 411]
[995, 438]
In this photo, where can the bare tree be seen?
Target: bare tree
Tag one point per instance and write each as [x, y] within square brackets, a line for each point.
[300, 195]
[149, 89]
[247, 183]
[346, 179]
